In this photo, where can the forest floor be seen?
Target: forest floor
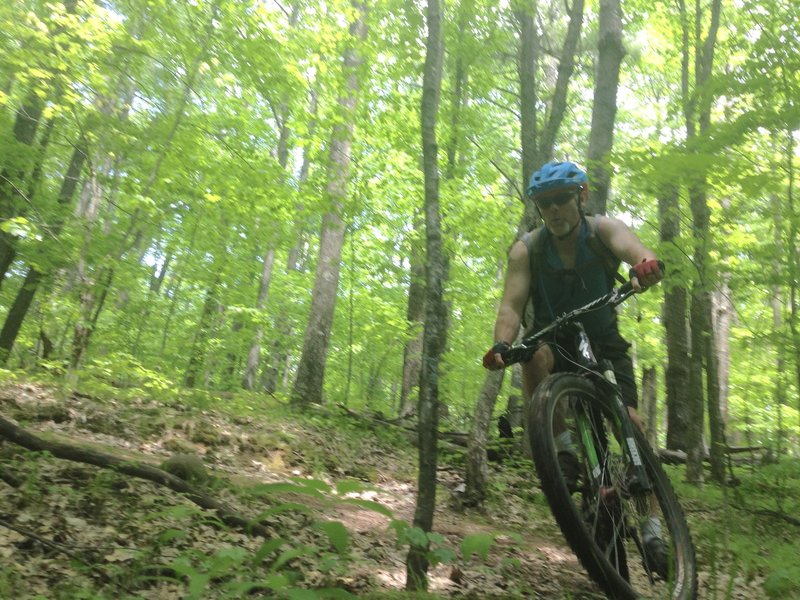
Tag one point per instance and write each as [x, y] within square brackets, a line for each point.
[71, 530]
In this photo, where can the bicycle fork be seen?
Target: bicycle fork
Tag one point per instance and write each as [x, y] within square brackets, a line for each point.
[638, 483]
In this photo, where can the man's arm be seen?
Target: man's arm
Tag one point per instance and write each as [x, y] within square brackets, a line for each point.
[626, 246]
[512, 305]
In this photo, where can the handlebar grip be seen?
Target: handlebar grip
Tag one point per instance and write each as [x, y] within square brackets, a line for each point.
[516, 354]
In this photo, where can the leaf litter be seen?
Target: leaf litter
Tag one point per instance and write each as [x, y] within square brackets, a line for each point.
[87, 530]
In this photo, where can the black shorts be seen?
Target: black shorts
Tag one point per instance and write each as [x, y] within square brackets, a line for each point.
[614, 349]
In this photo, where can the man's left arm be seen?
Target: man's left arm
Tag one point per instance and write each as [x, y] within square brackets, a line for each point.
[626, 245]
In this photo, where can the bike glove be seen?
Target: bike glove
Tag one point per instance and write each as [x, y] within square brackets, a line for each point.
[645, 269]
[489, 361]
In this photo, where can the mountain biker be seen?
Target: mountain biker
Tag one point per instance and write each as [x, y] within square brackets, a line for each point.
[562, 266]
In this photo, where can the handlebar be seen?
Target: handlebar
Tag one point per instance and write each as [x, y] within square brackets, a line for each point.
[527, 346]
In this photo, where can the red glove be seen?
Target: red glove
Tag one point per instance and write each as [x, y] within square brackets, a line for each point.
[648, 272]
[490, 360]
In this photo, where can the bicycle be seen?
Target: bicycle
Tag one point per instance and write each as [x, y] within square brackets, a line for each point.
[618, 483]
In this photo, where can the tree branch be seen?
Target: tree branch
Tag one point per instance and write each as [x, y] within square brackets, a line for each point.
[227, 515]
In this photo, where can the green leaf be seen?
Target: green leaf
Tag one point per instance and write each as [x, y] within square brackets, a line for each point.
[282, 488]
[288, 555]
[476, 543]
[417, 537]
[348, 486]
[267, 548]
[337, 534]
[442, 555]
[370, 505]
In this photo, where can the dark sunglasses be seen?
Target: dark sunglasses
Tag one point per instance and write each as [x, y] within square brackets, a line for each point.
[558, 199]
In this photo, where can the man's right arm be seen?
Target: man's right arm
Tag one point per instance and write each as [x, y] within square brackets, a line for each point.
[515, 294]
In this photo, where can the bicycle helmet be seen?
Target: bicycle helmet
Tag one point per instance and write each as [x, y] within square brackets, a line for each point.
[556, 176]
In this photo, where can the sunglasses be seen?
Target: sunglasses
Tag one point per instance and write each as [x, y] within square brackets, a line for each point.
[557, 199]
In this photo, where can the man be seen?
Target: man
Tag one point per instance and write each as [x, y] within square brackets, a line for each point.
[563, 265]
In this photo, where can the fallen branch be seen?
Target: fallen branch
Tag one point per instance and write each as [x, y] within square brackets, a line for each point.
[227, 515]
[674, 457]
[770, 513]
[453, 437]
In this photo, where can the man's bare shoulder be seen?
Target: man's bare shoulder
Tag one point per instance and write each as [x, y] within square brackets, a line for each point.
[609, 226]
[519, 251]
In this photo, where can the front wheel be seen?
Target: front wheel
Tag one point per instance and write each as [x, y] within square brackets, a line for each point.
[587, 479]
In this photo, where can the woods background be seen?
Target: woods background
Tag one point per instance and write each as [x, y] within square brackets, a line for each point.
[228, 195]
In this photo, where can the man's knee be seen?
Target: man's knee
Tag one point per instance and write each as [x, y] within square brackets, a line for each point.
[538, 367]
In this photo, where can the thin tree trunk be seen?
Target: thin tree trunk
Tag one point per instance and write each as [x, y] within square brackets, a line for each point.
[477, 470]
[694, 436]
[676, 333]
[435, 333]
[703, 349]
[527, 65]
[604, 109]
[253, 356]
[311, 370]
[650, 405]
[198, 354]
[723, 311]
[566, 66]
[12, 202]
[412, 353]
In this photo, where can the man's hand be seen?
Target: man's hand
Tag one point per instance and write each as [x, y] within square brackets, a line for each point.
[493, 359]
[646, 274]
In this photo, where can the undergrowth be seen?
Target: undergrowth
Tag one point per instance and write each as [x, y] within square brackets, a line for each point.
[745, 535]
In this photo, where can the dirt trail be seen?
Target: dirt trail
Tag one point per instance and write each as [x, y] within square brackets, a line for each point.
[528, 557]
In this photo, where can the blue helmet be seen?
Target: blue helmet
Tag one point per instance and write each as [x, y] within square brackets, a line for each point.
[556, 176]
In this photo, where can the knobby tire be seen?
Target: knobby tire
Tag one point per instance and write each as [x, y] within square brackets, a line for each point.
[602, 533]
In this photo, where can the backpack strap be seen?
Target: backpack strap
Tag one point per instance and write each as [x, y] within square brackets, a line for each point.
[610, 262]
[534, 242]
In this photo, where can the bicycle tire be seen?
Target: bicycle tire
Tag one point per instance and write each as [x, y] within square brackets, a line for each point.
[600, 521]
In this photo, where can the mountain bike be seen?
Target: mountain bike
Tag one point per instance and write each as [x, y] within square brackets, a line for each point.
[612, 489]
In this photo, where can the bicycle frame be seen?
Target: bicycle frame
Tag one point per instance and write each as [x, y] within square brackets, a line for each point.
[604, 380]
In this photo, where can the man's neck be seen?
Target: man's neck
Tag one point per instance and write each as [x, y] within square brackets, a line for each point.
[569, 238]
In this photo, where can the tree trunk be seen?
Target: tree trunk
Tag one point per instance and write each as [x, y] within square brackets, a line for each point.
[435, 333]
[610, 52]
[650, 405]
[253, 359]
[566, 66]
[694, 436]
[197, 357]
[416, 291]
[311, 370]
[527, 65]
[412, 353]
[723, 313]
[703, 350]
[12, 176]
[477, 471]
[23, 300]
[676, 331]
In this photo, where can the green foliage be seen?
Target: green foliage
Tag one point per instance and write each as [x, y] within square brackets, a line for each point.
[432, 543]
[476, 543]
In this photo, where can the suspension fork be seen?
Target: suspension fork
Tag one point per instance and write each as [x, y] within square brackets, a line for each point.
[638, 482]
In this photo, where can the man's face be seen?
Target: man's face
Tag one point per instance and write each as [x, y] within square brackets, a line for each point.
[560, 211]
